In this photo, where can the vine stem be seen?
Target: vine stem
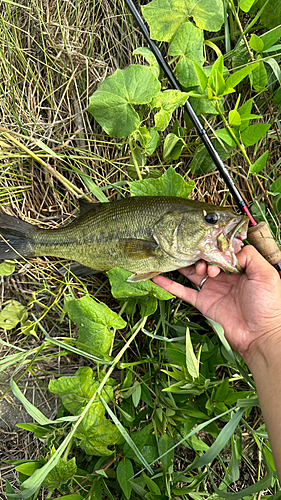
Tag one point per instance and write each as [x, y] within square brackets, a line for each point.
[134, 159]
[241, 29]
[243, 151]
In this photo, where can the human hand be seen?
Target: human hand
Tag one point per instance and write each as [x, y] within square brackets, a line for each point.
[247, 306]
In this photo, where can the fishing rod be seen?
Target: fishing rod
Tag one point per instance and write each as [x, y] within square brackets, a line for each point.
[259, 234]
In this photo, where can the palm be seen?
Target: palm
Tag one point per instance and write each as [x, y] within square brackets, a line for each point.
[247, 306]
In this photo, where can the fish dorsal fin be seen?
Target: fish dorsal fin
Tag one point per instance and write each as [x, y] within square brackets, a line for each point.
[85, 206]
[138, 249]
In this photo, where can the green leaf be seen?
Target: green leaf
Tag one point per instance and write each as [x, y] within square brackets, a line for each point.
[152, 142]
[96, 323]
[167, 101]
[165, 16]
[95, 433]
[239, 75]
[146, 444]
[270, 37]
[254, 133]
[226, 137]
[111, 104]
[150, 58]
[234, 118]
[125, 472]
[256, 43]
[245, 5]
[201, 76]
[202, 162]
[136, 395]
[75, 392]
[271, 15]
[169, 184]
[259, 77]
[188, 45]
[192, 363]
[275, 67]
[7, 267]
[259, 164]
[276, 186]
[220, 442]
[12, 314]
[122, 289]
[61, 473]
[166, 452]
[173, 146]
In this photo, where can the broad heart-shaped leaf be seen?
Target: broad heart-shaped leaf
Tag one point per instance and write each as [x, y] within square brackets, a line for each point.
[111, 104]
[7, 267]
[75, 392]
[254, 133]
[169, 184]
[12, 314]
[245, 5]
[95, 321]
[60, 474]
[150, 58]
[165, 16]
[167, 101]
[188, 44]
[95, 433]
[122, 289]
[271, 15]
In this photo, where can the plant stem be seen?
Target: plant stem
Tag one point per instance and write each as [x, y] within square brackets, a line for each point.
[134, 159]
[241, 29]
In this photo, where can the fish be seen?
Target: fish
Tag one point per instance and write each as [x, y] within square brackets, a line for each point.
[146, 235]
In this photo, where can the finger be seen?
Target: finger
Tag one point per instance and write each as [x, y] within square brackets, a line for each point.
[192, 277]
[256, 267]
[188, 294]
[201, 267]
[213, 271]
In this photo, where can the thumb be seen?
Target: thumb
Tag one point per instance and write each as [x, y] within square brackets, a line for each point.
[255, 265]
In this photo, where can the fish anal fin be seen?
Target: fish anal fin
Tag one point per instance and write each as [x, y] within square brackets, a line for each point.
[140, 276]
[138, 249]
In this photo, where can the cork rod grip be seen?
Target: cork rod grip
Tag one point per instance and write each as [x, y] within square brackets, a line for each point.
[261, 238]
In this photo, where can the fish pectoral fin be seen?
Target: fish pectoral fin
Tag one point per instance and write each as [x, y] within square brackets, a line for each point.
[138, 249]
[142, 276]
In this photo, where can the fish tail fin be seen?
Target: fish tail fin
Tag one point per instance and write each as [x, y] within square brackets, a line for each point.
[15, 238]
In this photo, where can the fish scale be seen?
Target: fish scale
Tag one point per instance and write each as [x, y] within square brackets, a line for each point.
[144, 235]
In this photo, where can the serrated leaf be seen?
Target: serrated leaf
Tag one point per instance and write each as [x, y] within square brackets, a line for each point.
[167, 101]
[95, 433]
[75, 392]
[259, 164]
[165, 16]
[7, 267]
[125, 472]
[169, 184]
[254, 133]
[61, 473]
[96, 322]
[150, 58]
[111, 104]
[188, 45]
[121, 288]
[12, 314]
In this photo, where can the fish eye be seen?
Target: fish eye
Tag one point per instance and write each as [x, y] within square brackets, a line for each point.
[211, 218]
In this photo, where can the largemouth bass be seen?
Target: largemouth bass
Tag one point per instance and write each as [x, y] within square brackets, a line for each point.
[144, 235]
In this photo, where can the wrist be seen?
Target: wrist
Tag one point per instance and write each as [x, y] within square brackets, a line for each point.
[264, 352]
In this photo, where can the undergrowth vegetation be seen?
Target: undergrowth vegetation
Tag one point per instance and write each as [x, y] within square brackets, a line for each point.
[142, 396]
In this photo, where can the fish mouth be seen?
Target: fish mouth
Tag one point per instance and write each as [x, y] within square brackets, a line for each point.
[230, 241]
